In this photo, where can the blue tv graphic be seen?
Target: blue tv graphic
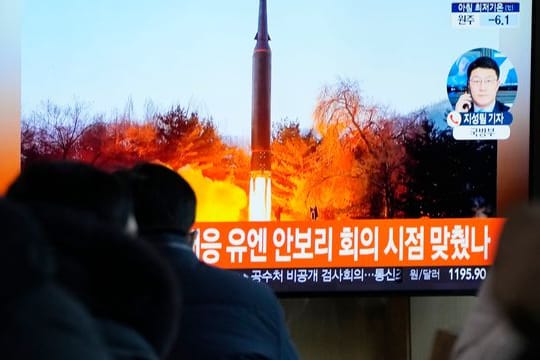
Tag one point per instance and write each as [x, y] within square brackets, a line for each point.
[485, 7]
[486, 118]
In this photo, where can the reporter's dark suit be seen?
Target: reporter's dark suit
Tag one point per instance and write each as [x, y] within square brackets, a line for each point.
[498, 108]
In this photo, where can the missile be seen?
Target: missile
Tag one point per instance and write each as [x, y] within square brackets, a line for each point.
[260, 198]
[260, 107]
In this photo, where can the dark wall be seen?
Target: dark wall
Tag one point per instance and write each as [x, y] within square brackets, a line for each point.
[341, 328]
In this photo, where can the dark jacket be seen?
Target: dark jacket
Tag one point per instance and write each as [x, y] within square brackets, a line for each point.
[124, 343]
[47, 323]
[225, 316]
[123, 282]
[38, 319]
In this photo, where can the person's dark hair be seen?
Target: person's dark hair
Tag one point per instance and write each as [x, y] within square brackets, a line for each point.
[77, 186]
[484, 62]
[163, 200]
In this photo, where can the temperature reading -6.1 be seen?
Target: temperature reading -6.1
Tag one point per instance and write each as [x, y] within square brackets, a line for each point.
[488, 14]
[501, 20]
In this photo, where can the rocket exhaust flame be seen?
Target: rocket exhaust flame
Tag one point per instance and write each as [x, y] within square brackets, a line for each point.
[260, 207]
[260, 194]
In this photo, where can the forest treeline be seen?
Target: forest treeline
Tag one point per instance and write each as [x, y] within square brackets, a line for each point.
[357, 160]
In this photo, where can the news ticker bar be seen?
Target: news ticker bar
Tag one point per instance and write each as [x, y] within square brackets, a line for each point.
[370, 279]
[353, 243]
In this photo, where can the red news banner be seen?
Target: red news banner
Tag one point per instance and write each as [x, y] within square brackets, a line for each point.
[353, 243]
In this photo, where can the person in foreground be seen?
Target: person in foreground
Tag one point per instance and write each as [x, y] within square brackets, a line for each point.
[504, 323]
[124, 283]
[40, 319]
[225, 316]
[515, 281]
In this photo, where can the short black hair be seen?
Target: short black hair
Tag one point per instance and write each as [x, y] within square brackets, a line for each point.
[484, 62]
[162, 199]
[74, 185]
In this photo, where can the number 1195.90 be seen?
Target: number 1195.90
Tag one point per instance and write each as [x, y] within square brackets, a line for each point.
[467, 273]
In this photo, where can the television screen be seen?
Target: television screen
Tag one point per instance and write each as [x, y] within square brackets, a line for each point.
[333, 146]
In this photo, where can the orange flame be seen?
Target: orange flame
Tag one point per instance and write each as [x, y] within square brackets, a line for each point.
[216, 200]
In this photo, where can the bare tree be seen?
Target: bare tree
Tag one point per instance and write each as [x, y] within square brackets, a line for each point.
[362, 151]
[53, 132]
[341, 108]
[63, 126]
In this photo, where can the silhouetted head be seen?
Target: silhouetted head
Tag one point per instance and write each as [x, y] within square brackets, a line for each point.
[76, 186]
[163, 200]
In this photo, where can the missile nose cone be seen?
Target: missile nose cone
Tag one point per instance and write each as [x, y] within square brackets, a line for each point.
[262, 36]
